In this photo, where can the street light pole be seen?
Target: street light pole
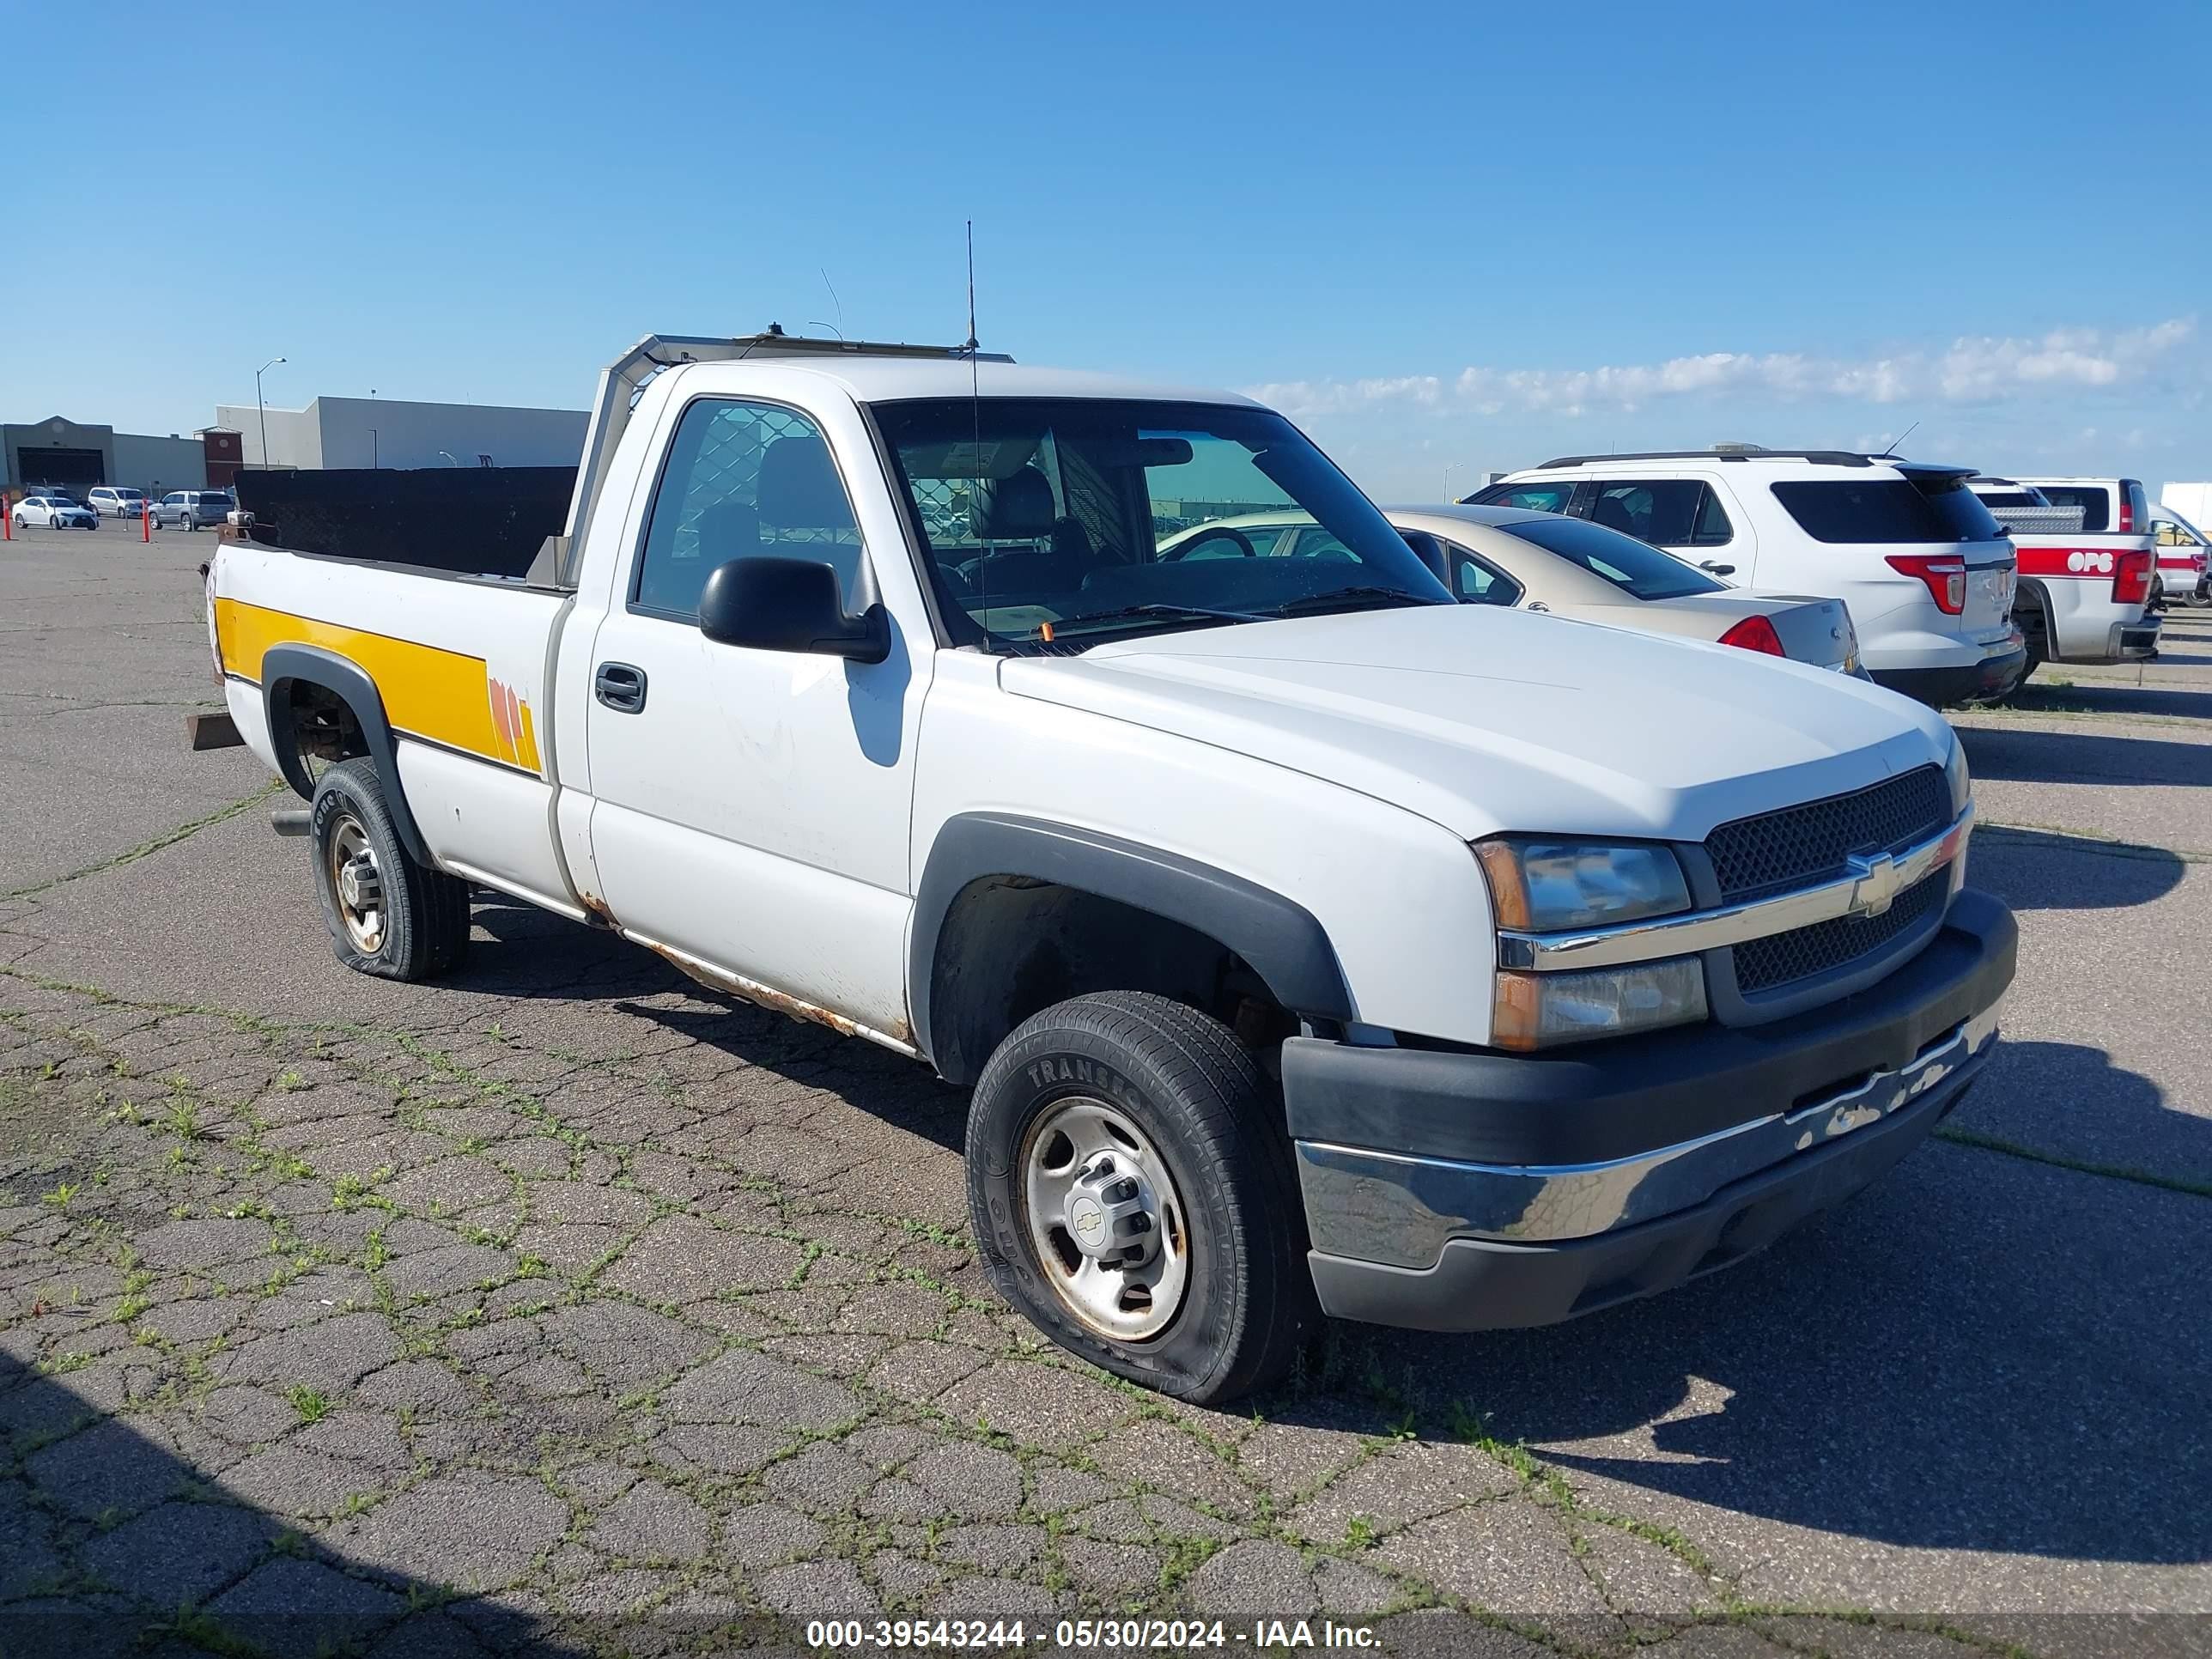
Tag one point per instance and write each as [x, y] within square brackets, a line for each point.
[262, 409]
[448, 455]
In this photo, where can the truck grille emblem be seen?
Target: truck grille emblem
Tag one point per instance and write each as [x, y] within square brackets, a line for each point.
[1875, 885]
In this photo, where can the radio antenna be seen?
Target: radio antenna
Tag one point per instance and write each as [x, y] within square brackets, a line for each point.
[975, 432]
[971, 288]
[838, 327]
[1900, 438]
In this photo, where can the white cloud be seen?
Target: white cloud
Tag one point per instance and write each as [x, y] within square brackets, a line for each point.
[1972, 369]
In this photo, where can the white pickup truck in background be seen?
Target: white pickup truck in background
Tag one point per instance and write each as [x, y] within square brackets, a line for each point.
[1547, 964]
[2086, 588]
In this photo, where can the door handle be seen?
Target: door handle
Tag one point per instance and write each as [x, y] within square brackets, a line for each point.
[620, 686]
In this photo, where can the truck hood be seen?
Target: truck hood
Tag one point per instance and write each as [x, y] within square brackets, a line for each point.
[1485, 720]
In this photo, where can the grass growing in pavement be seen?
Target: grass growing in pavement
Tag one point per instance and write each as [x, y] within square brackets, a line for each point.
[311, 1403]
[167, 838]
[1986, 1143]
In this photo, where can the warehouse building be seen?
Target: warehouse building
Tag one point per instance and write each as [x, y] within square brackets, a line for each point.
[74, 455]
[379, 432]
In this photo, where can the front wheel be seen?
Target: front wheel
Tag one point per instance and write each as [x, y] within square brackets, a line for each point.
[388, 915]
[1129, 1179]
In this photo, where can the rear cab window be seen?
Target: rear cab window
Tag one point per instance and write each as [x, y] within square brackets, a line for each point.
[2094, 500]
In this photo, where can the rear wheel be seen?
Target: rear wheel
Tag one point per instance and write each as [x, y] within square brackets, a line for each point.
[1130, 1184]
[388, 915]
[2035, 630]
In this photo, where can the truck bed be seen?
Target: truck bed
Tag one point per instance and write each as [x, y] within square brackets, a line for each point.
[469, 522]
[459, 668]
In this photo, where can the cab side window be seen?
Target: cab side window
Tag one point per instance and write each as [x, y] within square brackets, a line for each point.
[742, 480]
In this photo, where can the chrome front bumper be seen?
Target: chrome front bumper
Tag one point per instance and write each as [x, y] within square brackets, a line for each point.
[1461, 1189]
[1386, 1207]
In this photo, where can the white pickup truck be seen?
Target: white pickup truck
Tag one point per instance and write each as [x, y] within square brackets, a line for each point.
[1313, 943]
[2089, 566]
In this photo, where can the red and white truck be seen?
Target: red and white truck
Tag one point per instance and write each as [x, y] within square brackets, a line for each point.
[2088, 566]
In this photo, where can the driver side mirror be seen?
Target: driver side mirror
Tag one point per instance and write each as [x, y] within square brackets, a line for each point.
[789, 604]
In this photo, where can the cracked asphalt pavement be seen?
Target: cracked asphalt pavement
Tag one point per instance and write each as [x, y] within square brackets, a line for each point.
[562, 1307]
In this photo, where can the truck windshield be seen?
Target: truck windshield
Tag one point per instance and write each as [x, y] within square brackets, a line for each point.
[1056, 523]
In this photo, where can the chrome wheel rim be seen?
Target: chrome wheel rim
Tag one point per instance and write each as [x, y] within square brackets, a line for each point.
[1105, 1220]
[358, 884]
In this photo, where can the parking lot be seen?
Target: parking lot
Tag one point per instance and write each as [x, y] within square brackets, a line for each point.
[564, 1301]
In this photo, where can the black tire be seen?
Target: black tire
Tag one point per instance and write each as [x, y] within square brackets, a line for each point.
[423, 914]
[2034, 631]
[1204, 1103]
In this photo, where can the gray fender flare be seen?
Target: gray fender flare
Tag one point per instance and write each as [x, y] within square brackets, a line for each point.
[1282, 941]
[283, 667]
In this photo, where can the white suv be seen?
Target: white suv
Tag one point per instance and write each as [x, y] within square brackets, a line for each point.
[117, 501]
[188, 509]
[1926, 571]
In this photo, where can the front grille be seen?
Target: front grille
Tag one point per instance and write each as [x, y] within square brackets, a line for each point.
[1783, 958]
[1802, 846]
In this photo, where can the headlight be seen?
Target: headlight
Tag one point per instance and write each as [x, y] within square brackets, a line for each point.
[1548, 886]
[1954, 772]
[1538, 1010]
[1555, 886]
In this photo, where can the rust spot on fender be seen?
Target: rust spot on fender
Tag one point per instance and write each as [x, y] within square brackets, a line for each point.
[900, 1035]
[596, 909]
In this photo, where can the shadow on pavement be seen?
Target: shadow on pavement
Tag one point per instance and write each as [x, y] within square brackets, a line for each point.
[533, 953]
[2022, 755]
[2107, 697]
[2087, 873]
[2067, 1100]
[1979, 1352]
[112, 1539]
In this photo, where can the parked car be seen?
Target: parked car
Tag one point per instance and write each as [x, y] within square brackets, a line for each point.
[2088, 570]
[2185, 556]
[1547, 965]
[117, 501]
[1542, 561]
[55, 510]
[1925, 571]
[191, 509]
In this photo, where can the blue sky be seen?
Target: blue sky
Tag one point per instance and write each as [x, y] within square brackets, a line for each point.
[1447, 238]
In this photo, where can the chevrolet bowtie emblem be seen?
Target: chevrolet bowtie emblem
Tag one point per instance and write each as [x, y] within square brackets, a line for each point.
[1875, 885]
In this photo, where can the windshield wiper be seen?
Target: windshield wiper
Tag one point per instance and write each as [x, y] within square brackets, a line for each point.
[1362, 593]
[1158, 609]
